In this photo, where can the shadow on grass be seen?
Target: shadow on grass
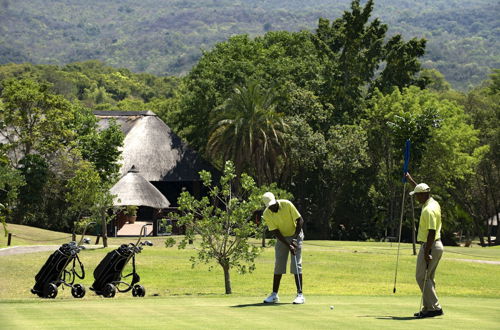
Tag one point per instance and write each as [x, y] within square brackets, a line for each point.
[258, 305]
[389, 317]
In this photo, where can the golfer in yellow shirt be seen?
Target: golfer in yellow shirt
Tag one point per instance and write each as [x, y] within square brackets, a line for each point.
[431, 249]
[285, 223]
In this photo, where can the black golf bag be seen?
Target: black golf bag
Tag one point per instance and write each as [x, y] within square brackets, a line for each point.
[108, 274]
[54, 273]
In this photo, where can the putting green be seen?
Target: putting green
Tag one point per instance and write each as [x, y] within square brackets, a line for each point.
[237, 312]
[355, 277]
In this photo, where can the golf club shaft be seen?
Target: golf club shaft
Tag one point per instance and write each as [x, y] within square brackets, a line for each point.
[297, 271]
[423, 289]
[399, 237]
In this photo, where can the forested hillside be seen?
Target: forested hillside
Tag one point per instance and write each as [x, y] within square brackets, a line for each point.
[168, 37]
[322, 114]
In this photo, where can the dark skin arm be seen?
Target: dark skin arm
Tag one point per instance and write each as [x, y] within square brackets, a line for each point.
[428, 245]
[299, 223]
[298, 227]
[408, 176]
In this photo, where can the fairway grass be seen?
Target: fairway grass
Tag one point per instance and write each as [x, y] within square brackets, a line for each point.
[357, 278]
[246, 312]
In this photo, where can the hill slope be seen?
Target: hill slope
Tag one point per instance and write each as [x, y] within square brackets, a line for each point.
[167, 37]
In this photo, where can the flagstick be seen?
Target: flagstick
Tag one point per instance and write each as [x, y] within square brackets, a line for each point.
[399, 239]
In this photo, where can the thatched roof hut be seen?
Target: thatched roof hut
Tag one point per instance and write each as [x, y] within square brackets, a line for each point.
[133, 189]
[163, 158]
[152, 146]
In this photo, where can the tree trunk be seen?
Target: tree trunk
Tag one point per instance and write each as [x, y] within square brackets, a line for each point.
[495, 204]
[497, 240]
[227, 278]
[486, 208]
[479, 230]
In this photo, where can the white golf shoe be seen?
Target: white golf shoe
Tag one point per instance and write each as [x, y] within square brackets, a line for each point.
[272, 298]
[300, 299]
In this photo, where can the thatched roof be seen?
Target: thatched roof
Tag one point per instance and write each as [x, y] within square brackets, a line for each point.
[152, 146]
[133, 189]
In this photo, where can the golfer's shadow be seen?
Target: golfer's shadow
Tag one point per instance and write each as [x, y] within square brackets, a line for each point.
[389, 317]
[258, 305]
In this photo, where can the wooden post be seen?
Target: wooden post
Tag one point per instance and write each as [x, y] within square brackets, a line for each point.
[104, 232]
[156, 220]
[9, 239]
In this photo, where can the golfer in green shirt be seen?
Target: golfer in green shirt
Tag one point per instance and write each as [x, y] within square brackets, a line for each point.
[285, 222]
[431, 249]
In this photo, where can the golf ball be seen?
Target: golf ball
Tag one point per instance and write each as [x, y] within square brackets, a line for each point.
[331, 307]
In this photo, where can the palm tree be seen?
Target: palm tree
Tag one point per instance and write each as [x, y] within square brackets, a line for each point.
[247, 130]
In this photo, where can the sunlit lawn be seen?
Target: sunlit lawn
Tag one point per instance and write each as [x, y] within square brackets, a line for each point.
[356, 277]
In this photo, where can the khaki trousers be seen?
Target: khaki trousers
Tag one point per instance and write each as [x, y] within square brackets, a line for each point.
[430, 299]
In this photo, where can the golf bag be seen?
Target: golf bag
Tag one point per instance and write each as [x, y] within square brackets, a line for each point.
[54, 273]
[108, 274]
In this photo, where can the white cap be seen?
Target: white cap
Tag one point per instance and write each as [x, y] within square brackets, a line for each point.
[420, 188]
[268, 199]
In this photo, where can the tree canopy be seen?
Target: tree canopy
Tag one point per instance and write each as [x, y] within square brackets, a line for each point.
[323, 113]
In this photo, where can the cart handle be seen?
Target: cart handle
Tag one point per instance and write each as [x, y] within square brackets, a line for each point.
[141, 234]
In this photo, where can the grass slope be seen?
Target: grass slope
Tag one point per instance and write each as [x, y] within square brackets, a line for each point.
[355, 277]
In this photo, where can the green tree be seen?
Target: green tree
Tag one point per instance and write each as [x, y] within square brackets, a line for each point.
[34, 120]
[89, 194]
[248, 130]
[222, 223]
[273, 60]
[391, 120]
[10, 182]
[321, 167]
[46, 138]
[434, 126]
[355, 49]
[478, 192]
[435, 80]
[100, 147]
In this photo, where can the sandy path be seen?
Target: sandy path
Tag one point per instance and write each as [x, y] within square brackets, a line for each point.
[31, 249]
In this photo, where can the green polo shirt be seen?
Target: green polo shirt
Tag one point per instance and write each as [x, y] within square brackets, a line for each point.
[430, 218]
[284, 219]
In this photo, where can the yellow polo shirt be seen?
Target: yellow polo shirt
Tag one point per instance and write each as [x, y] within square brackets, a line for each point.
[430, 218]
[284, 219]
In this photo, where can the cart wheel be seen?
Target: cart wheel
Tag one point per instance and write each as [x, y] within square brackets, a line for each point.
[109, 291]
[50, 290]
[78, 291]
[38, 293]
[138, 291]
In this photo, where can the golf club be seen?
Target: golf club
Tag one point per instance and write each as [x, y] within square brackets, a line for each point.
[297, 271]
[296, 245]
[423, 289]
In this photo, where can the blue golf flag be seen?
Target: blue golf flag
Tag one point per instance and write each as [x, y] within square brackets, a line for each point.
[407, 159]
